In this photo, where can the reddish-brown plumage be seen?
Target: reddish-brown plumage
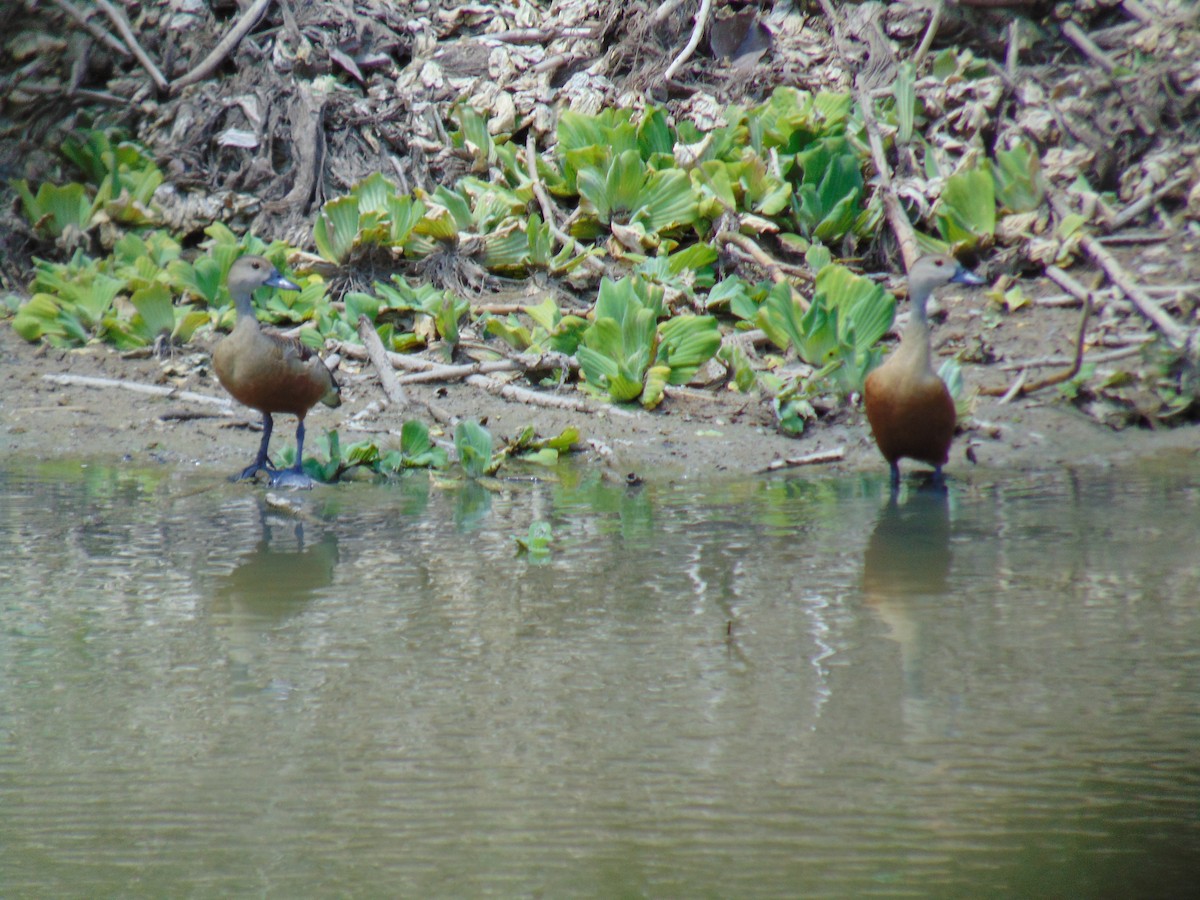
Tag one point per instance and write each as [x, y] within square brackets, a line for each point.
[911, 412]
[267, 371]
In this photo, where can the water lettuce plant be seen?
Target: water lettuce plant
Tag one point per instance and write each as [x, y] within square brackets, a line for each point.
[626, 352]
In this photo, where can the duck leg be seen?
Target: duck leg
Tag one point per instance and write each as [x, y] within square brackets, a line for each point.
[294, 477]
[895, 467]
[260, 461]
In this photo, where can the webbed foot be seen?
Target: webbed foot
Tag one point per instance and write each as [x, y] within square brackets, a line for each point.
[250, 471]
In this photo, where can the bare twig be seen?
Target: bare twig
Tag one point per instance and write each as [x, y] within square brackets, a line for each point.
[1084, 44]
[154, 390]
[817, 457]
[117, 17]
[935, 19]
[694, 42]
[901, 227]
[537, 35]
[92, 28]
[1021, 386]
[773, 268]
[539, 191]
[664, 10]
[379, 359]
[1172, 330]
[208, 65]
[1137, 207]
[1095, 359]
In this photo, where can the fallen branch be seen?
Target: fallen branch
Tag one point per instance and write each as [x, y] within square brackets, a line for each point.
[1137, 207]
[155, 390]
[1171, 330]
[817, 457]
[1085, 45]
[901, 227]
[379, 359]
[539, 191]
[697, 32]
[1020, 386]
[216, 56]
[776, 270]
[117, 17]
[92, 28]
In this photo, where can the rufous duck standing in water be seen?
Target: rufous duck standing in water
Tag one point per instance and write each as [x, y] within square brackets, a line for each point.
[268, 371]
[909, 407]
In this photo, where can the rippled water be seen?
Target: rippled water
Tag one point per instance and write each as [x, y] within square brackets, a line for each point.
[780, 687]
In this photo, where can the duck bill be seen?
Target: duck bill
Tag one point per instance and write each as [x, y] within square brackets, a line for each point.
[278, 281]
[962, 276]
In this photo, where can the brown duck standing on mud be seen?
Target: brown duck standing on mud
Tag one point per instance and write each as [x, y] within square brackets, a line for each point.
[269, 372]
[909, 407]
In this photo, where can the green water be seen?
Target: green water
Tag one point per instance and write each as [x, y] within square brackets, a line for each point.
[772, 688]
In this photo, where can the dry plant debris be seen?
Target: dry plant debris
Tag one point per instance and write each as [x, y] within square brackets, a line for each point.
[1030, 136]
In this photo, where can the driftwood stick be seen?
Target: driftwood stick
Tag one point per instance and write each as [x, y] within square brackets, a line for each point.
[1171, 330]
[1046, 362]
[154, 390]
[1087, 46]
[817, 457]
[92, 28]
[209, 64]
[901, 227]
[539, 191]
[1137, 207]
[1021, 386]
[117, 17]
[697, 32]
[491, 385]
[772, 267]
[379, 359]
[664, 10]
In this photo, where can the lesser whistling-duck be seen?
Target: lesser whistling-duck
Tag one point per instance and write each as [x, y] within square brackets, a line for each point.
[910, 410]
[268, 371]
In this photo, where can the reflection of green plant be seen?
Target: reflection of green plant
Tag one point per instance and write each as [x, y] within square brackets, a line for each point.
[330, 461]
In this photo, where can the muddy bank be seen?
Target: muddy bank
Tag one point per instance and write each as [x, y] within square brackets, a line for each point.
[693, 434]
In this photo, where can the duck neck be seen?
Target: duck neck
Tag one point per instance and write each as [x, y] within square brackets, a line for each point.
[244, 306]
[916, 334]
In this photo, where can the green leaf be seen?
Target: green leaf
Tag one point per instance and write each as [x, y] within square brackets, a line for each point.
[861, 303]
[655, 385]
[905, 93]
[155, 311]
[336, 228]
[966, 211]
[1020, 186]
[474, 445]
[685, 344]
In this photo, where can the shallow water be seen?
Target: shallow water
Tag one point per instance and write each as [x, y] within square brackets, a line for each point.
[780, 687]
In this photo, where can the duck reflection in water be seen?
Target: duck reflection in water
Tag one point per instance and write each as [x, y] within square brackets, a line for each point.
[279, 576]
[906, 565]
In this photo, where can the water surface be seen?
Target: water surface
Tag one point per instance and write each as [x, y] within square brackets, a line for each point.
[775, 687]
